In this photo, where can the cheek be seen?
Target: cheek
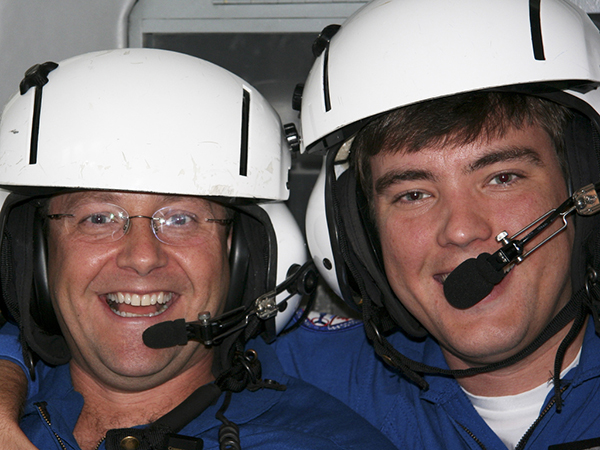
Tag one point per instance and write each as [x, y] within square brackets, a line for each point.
[67, 262]
[208, 267]
[57, 260]
[216, 251]
[404, 243]
[218, 277]
[405, 253]
[63, 272]
[69, 273]
[220, 263]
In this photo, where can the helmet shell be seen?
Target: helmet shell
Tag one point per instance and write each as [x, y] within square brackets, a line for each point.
[394, 53]
[145, 120]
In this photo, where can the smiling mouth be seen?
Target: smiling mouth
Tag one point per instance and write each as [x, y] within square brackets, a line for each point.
[134, 305]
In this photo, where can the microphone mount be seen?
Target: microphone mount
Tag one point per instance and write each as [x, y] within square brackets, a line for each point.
[584, 202]
[211, 331]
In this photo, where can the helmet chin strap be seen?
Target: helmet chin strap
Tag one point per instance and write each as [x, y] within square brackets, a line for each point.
[575, 310]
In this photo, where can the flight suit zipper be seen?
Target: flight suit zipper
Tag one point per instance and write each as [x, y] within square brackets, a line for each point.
[41, 406]
[100, 443]
[470, 433]
[529, 432]
[523, 441]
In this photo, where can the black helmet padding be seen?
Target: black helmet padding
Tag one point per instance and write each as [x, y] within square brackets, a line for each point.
[39, 327]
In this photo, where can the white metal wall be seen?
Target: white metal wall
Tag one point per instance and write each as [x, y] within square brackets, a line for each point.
[591, 6]
[34, 31]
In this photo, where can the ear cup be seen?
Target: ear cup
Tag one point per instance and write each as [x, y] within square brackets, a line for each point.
[41, 304]
[582, 143]
[36, 320]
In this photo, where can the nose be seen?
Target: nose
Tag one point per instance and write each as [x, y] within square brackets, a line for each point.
[464, 221]
[140, 250]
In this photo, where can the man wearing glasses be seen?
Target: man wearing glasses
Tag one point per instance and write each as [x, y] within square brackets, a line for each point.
[149, 181]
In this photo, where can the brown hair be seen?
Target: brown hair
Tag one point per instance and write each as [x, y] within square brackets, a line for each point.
[454, 121]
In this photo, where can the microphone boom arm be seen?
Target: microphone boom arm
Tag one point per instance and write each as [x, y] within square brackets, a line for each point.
[584, 201]
[211, 331]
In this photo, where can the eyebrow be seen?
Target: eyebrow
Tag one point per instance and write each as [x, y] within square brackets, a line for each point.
[108, 197]
[73, 199]
[396, 176]
[510, 153]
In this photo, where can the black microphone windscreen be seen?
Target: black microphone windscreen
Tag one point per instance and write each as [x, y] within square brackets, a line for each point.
[471, 282]
[166, 334]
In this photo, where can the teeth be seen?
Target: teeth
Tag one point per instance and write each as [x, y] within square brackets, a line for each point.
[443, 277]
[162, 298]
[137, 300]
[128, 314]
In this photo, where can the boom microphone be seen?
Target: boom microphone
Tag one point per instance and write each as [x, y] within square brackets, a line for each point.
[471, 282]
[166, 334]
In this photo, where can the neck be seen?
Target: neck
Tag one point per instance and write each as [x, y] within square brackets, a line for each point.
[107, 407]
[527, 374]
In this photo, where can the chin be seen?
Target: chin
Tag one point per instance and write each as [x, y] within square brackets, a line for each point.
[489, 345]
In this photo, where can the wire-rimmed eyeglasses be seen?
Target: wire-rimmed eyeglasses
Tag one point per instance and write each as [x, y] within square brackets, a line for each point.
[105, 222]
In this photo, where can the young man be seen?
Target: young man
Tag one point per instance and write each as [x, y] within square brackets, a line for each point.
[141, 176]
[446, 124]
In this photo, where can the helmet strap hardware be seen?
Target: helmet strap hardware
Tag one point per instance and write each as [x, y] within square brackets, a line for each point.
[36, 76]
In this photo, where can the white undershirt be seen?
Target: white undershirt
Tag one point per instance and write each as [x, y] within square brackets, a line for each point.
[511, 416]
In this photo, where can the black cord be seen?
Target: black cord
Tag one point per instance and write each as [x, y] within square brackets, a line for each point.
[307, 309]
[229, 432]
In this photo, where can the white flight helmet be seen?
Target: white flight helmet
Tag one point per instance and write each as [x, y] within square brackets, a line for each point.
[394, 53]
[143, 120]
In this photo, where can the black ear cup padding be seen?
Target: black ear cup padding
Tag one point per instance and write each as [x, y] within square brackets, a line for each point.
[41, 303]
[253, 262]
[582, 147]
[252, 258]
[17, 278]
[363, 252]
[11, 267]
[239, 263]
[9, 306]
